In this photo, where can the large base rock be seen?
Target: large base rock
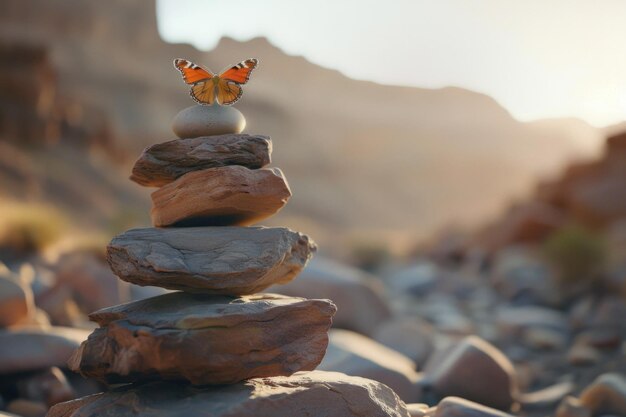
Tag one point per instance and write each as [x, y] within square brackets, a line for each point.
[306, 394]
[162, 163]
[224, 196]
[217, 260]
[205, 339]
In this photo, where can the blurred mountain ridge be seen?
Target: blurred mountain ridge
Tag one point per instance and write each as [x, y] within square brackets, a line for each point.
[360, 157]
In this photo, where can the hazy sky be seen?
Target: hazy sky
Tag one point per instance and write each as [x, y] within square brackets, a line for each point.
[538, 58]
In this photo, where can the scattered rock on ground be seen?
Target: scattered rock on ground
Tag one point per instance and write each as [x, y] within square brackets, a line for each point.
[473, 369]
[410, 336]
[571, 407]
[16, 300]
[355, 354]
[420, 410]
[49, 387]
[205, 339]
[547, 397]
[27, 408]
[606, 395]
[164, 162]
[219, 260]
[329, 394]
[89, 279]
[223, 196]
[361, 305]
[31, 348]
[581, 354]
[416, 280]
[459, 407]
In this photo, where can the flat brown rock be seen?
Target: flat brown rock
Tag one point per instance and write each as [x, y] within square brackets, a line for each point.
[305, 394]
[231, 195]
[205, 339]
[218, 260]
[162, 163]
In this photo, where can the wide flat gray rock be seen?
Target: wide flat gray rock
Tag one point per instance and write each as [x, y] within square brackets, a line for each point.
[305, 394]
[163, 163]
[205, 339]
[218, 260]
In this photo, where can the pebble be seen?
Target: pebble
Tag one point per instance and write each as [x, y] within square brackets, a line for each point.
[196, 121]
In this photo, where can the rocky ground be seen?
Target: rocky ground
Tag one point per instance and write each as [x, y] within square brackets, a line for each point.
[495, 324]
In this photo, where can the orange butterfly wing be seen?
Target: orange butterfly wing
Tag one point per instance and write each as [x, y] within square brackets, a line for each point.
[228, 92]
[203, 92]
[229, 89]
[240, 73]
[191, 72]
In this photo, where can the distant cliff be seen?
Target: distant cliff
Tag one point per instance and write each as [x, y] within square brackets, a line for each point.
[363, 157]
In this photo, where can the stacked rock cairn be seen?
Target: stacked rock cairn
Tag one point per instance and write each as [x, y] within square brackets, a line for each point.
[215, 346]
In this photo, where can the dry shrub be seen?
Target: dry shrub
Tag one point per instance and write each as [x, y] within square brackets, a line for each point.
[578, 254]
[27, 229]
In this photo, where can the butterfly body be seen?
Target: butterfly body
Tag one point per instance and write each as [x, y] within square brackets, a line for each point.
[208, 88]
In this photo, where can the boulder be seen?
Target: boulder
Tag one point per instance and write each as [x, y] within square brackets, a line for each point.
[606, 395]
[16, 300]
[360, 300]
[459, 407]
[205, 339]
[218, 260]
[472, 369]
[223, 196]
[355, 354]
[163, 163]
[28, 349]
[305, 394]
[410, 336]
[196, 121]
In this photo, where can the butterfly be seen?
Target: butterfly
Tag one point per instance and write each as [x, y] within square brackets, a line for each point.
[204, 83]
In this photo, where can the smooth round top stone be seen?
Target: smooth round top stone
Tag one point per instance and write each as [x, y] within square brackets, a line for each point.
[196, 121]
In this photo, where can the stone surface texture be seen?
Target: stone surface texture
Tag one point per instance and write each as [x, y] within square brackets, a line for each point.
[223, 196]
[218, 260]
[205, 339]
[196, 121]
[164, 162]
[310, 394]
